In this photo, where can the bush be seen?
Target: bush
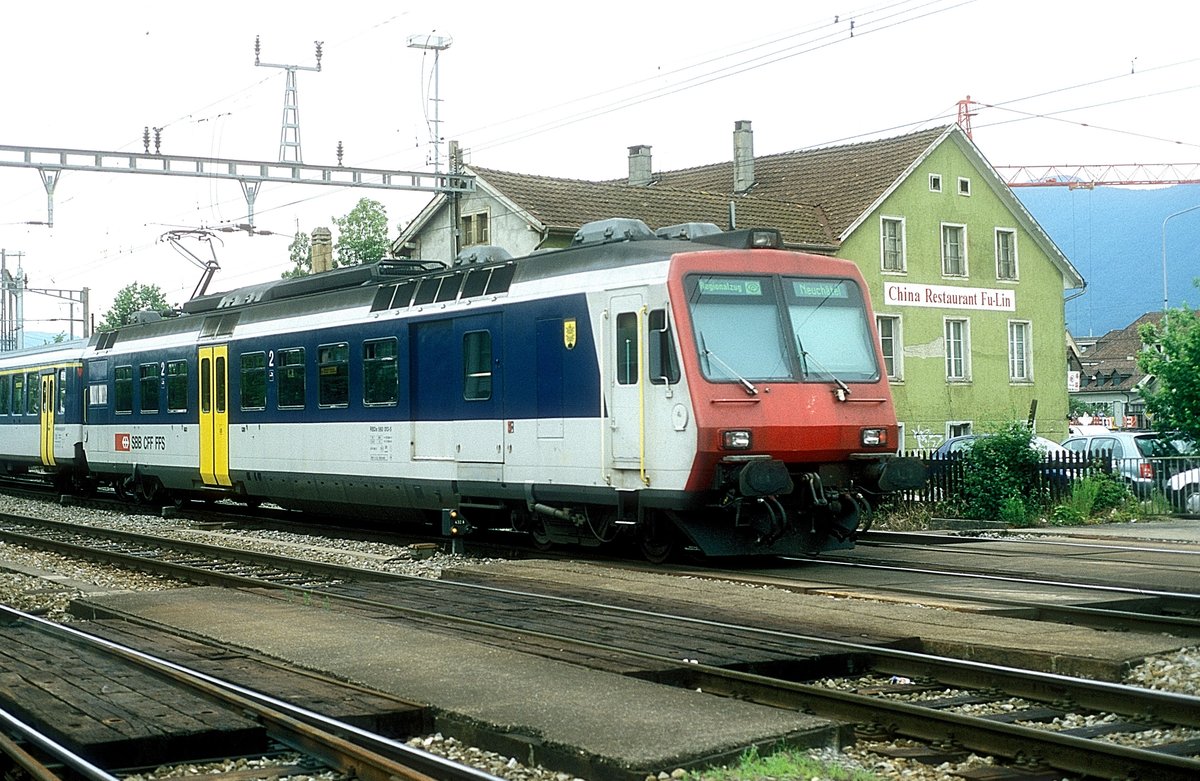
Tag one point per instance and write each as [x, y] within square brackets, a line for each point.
[1067, 515]
[1111, 492]
[998, 473]
[1014, 513]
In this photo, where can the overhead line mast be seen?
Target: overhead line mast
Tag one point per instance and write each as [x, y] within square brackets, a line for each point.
[289, 135]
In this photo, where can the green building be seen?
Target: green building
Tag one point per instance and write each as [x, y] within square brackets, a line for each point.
[967, 287]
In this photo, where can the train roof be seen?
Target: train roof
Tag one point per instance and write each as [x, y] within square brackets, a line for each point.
[392, 284]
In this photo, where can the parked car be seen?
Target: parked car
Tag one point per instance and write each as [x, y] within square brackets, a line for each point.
[955, 447]
[1183, 491]
[1144, 460]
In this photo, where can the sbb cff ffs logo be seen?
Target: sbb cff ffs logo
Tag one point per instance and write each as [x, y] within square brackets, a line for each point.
[124, 443]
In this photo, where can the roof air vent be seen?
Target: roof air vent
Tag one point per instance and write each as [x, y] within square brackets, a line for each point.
[612, 229]
[687, 230]
[485, 254]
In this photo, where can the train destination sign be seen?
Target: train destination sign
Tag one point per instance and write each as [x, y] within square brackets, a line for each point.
[947, 297]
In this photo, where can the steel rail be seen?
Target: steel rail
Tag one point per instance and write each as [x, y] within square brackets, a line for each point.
[34, 767]
[1065, 752]
[368, 757]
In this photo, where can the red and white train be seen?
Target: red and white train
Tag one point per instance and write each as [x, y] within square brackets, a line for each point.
[716, 391]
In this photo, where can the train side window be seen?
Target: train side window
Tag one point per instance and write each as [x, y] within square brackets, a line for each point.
[664, 363]
[62, 391]
[476, 282]
[333, 375]
[5, 392]
[177, 386]
[148, 387]
[33, 394]
[253, 372]
[427, 291]
[477, 365]
[18, 394]
[291, 378]
[627, 348]
[449, 289]
[501, 279]
[123, 389]
[380, 372]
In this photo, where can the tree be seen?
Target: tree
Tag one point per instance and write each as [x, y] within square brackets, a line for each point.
[1172, 355]
[362, 234]
[300, 252]
[129, 299]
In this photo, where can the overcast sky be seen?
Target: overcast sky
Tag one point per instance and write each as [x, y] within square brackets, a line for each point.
[536, 87]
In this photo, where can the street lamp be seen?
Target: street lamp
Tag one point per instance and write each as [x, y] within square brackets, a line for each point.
[1166, 301]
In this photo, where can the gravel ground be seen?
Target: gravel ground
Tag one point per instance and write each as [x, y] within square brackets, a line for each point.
[1178, 672]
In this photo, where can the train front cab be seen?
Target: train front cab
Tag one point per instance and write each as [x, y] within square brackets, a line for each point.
[794, 420]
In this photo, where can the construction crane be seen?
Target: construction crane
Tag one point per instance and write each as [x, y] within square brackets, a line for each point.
[1083, 177]
[1088, 177]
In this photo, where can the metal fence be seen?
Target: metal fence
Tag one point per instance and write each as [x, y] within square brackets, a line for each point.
[1171, 484]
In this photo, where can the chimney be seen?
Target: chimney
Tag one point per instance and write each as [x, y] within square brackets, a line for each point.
[743, 156]
[322, 250]
[640, 173]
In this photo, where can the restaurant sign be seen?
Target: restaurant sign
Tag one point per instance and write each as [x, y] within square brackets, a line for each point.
[946, 297]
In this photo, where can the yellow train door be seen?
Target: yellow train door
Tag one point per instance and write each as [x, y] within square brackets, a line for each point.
[49, 400]
[214, 415]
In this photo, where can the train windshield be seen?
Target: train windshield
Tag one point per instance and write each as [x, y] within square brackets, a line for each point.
[781, 328]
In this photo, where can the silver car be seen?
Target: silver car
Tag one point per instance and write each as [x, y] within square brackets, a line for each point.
[1144, 460]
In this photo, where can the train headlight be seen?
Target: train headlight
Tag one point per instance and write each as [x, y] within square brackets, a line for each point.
[874, 437]
[735, 439]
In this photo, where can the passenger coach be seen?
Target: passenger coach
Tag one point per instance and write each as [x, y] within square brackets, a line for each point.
[718, 392]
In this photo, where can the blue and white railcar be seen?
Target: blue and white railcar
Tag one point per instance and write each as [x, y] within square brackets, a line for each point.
[41, 415]
[722, 392]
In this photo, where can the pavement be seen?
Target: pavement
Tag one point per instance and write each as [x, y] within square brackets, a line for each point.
[596, 724]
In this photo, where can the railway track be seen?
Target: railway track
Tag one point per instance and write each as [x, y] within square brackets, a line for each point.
[336, 745]
[1028, 700]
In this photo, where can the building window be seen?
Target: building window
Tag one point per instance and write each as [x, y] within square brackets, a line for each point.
[954, 250]
[935, 183]
[964, 186]
[475, 229]
[891, 239]
[5, 392]
[291, 378]
[1006, 253]
[891, 345]
[957, 428]
[380, 373]
[477, 365]
[333, 375]
[254, 380]
[1020, 364]
[958, 350]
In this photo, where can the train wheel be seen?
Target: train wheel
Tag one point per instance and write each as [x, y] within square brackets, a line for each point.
[539, 534]
[657, 540]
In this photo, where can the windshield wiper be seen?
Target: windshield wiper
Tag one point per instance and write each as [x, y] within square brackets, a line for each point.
[805, 356]
[749, 386]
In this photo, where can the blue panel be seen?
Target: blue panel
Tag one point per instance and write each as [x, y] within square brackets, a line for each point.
[550, 353]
